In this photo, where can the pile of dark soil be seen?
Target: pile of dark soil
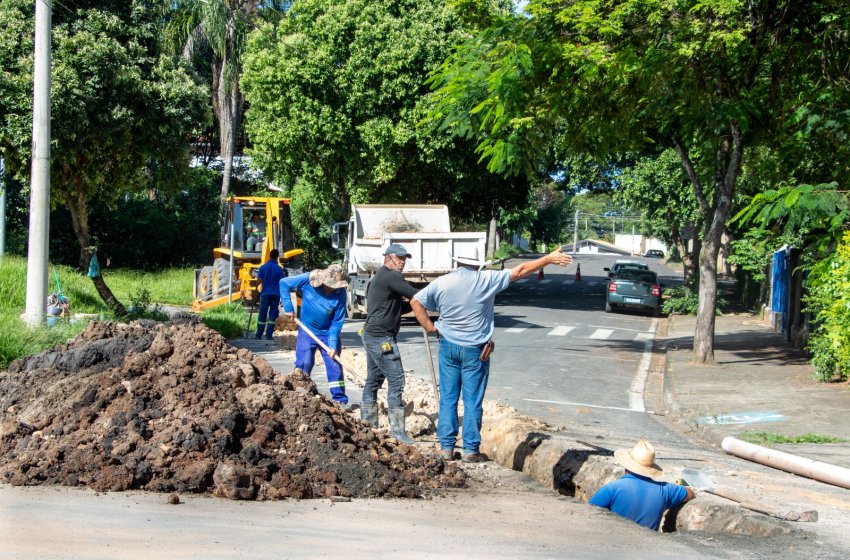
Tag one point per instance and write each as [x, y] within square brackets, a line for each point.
[172, 407]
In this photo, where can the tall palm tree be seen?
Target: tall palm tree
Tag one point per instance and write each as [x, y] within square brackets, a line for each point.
[224, 26]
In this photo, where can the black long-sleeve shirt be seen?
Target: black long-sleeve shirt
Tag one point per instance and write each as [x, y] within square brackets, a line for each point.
[385, 304]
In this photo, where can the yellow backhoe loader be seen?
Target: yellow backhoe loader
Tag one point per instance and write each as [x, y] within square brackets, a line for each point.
[253, 226]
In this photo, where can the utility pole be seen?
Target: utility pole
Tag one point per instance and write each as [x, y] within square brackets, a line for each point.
[575, 235]
[39, 227]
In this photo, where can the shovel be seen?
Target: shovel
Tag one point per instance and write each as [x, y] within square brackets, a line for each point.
[700, 481]
[324, 346]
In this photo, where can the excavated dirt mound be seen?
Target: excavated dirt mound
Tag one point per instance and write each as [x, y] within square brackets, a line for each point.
[172, 407]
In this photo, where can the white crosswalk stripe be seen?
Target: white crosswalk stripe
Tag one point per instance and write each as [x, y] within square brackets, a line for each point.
[645, 336]
[516, 329]
[560, 330]
[601, 334]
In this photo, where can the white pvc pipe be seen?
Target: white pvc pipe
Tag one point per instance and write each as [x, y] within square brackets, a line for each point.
[817, 470]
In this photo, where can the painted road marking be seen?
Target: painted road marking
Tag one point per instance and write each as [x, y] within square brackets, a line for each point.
[588, 405]
[638, 385]
[601, 334]
[516, 329]
[560, 330]
[645, 336]
[741, 418]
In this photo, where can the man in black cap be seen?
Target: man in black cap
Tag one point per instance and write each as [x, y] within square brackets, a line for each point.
[383, 361]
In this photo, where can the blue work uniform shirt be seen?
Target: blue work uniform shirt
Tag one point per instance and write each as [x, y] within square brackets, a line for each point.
[640, 498]
[269, 276]
[465, 300]
[322, 313]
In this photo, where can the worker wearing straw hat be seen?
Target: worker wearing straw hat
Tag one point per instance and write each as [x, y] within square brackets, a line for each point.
[637, 496]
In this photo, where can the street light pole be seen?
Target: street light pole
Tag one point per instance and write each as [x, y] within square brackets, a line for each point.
[39, 226]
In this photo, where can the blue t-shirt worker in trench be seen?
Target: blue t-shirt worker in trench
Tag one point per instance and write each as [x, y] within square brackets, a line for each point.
[636, 495]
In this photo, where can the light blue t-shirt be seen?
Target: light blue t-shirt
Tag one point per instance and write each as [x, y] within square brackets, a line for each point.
[465, 299]
[639, 498]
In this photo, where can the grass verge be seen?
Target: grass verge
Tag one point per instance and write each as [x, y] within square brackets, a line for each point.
[230, 320]
[171, 286]
[769, 438]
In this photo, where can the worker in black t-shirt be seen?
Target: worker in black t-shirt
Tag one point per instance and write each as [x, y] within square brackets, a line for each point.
[383, 322]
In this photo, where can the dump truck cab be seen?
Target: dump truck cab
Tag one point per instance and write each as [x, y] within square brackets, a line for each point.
[253, 226]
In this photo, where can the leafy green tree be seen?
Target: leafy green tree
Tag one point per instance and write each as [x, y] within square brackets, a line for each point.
[223, 26]
[706, 78]
[659, 188]
[337, 93]
[121, 112]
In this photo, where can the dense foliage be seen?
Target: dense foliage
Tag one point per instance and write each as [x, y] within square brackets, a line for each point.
[121, 110]
[705, 78]
[829, 298]
[337, 95]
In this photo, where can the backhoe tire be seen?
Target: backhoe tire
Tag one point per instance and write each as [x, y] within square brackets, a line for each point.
[221, 277]
[205, 283]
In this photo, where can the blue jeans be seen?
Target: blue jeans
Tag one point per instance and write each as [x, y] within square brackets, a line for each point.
[305, 359]
[382, 365]
[461, 373]
[269, 311]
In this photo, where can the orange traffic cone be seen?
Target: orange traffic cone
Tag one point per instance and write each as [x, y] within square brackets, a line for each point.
[540, 274]
[578, 272]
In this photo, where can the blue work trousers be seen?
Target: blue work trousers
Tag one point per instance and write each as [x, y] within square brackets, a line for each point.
[462, 373]
[383, 364]
[269, 311]
[305, 359]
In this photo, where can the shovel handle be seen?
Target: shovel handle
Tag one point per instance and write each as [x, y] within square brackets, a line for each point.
[323, 346]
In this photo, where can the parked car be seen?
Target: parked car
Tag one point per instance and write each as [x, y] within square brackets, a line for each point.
[654, 254]
[619, 265]
[634, 289]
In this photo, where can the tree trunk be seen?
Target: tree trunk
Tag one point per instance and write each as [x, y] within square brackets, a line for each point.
[707, 311]
[492, 244]
[78, 207]
[727, 165]
[227, 104]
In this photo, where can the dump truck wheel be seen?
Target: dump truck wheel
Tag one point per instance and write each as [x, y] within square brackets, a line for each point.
[221, 276]
[205, 283]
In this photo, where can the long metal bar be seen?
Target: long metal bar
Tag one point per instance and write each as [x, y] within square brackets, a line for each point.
[431, 367]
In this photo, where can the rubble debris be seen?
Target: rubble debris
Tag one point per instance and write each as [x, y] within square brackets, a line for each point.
[172, 407]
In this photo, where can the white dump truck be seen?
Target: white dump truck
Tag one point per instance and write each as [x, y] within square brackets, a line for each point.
[423, 229]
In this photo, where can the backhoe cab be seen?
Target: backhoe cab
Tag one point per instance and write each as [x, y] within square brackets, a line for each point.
[253, 227]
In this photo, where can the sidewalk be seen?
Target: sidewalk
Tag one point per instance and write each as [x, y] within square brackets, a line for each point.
[760, 384]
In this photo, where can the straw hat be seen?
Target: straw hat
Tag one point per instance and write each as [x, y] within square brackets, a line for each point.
[640, 459]
[333, 277]
[473, 260]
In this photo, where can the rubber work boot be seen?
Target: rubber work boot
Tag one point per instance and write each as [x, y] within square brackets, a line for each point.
[397, 426]
[369, 413]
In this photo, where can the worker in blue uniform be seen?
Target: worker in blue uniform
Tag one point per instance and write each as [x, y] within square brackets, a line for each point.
[269, 276]
[323, 302]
